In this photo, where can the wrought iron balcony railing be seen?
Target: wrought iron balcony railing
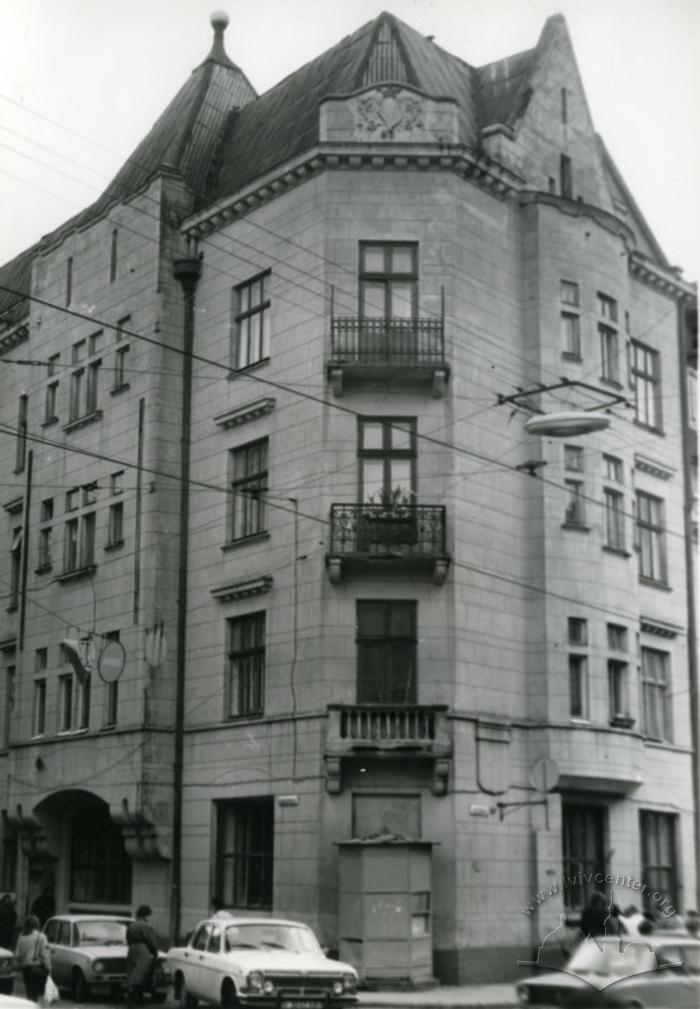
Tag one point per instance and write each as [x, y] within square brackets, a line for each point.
[366, 345]
[410, 730]
[409, 533]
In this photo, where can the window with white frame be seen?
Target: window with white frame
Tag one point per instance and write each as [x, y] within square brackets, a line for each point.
[618, 676]
[84, 379]
[656, 694]
[651, 538]
[614, 500]
[388, 280]
[569, 320]
[79, 530]
[609, 354]
[251, 338]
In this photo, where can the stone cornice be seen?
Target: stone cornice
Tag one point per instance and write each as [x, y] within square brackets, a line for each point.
[663, 280]
[654, 468]
[14, 336]
[243, 414]
[650, 625]
[242, 590]
[457, 159]
[14, 506]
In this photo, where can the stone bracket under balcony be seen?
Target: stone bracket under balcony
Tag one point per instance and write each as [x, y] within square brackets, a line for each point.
[389, 732]
[403, 537]
[397, 350]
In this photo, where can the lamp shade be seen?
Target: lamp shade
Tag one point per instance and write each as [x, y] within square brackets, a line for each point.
[567, 423]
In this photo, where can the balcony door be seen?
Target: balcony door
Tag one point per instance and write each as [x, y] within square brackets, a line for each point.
[388, 300]
[386, 652]
[387, 451]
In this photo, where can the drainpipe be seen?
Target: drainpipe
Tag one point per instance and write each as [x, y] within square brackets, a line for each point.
[693, 696]
[188, 272]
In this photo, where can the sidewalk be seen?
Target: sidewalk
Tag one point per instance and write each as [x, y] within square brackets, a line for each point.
[471, 996]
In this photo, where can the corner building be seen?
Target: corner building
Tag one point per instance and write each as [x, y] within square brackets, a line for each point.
[380, 608]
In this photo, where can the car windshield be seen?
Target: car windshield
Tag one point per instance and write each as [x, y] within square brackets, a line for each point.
[260, 935]
[101, 933]
[614, 959]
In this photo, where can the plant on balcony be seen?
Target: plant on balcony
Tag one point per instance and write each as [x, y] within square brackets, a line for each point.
[389, 519]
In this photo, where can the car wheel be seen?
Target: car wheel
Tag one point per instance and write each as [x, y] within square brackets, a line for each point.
[80, 986]
[229, 998]
[185, 1000]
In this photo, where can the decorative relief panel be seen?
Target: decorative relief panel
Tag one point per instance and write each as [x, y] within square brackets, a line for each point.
[389, 113]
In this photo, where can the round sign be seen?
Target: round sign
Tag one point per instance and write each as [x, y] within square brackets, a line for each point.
[544, 774]
[567, 423]
[110, 664]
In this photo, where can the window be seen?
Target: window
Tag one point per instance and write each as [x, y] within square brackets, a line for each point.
[657, 832]
[564, 109]
[252, 321]
[79, 531]
[617, 638]
[618, 678]
[39, 708]
[387, 451]
[614, 519]
[607, 307]
[9, 705]
[609, 354]
[113, 256]
[65, 702]
[570, 335]
[577, 629]
[565, 180]
[613, 469]
[651, 537]
[115, 527]
[583, 843]
[21, 443]
[41, 658]
[112, 690]
[15, 567]
[386, 652]
[656, 694]
[51, 393]
[574, 511]
[573, 458]
[120, 380]
[82, 703]
[246, 665]
[116, 482]
[569, 293]
[388, 280]
[249, 485]
[69, 280]
[244, 852]
[645, 378]
[100, 869]
[84, 379]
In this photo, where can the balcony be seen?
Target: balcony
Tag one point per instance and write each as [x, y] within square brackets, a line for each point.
[375, 535]
[407, 350]
[388, 731]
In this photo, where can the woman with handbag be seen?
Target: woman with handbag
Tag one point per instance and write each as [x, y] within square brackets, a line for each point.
[33, 957]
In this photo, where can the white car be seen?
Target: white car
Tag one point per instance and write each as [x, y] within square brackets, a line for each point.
[88, 955]
[264, 962]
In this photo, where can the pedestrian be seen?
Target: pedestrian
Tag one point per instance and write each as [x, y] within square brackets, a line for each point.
[594, 915]
[33, 957]
[141, 956]
[44, 906]
[8, 920]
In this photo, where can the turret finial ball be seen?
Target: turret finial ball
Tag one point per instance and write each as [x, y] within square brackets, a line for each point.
[219, 19]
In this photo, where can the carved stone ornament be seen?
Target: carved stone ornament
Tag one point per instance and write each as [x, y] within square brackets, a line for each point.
[144, 840]
[388, 111]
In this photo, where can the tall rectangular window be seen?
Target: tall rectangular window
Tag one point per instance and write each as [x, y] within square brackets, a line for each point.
[244, 852]
[77, 381]
[613, 469]
[65, 702]
[21, 441]
[15, 567]
[583, 844]
[570, 335]
[565, 177]
[84, 379]
[651, 538]
[251, 321]
[388, 280]
[248, 489]
[121, 350]
[69, 280]
[115, 525]
[79, 530]
[657, 832]
[574, 514]
[51, 391]
[39, 708]
[614, 519]
[387, 454]
[113, 250]
[609, 355]
[578, 667]
[111, 691]
[656, 694]
[386, 652]
[82, 703]
[246, 665]
[645, 378]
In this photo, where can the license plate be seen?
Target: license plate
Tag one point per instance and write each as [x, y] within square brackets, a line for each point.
[304, 1004]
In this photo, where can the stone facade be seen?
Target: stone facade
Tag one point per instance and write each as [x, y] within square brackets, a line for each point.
[537, 630]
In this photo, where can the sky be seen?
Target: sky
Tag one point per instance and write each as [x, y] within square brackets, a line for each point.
[82, 81]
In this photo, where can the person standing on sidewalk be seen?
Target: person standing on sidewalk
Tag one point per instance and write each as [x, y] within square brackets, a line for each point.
[141, 956]
[33, 957]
